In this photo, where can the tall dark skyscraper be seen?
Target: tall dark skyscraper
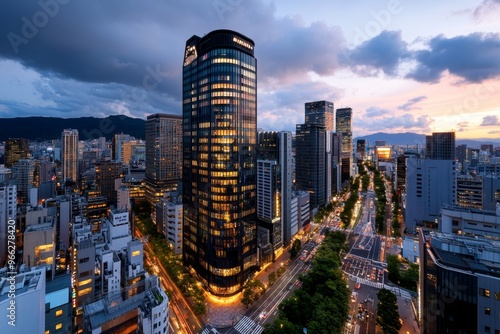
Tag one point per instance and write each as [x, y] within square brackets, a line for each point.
[310, 161]
[343, 124]
[219, 159]
[320, 112]
[69, 139]
[163, 155]
[15, 150]
[440, 146]
[313, 162]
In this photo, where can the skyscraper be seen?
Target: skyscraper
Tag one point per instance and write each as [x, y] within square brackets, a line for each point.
[440, 146]
[274, 177]
[320, 112]
[343, 123]
[310, 161]
[219, 160]
[69, 155]
[163, 155]
[15, 149]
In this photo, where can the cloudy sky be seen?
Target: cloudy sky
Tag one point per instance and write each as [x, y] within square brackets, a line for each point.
[402, 65]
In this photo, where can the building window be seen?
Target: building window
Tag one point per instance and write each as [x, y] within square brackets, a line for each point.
[58, 326]
[47, 332]
[486, 330]
[485, 293]
[59, 313]
[497, 295]
[487, 311]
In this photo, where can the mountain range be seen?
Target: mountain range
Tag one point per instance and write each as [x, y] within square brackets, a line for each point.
[47, 128]
[412, 139]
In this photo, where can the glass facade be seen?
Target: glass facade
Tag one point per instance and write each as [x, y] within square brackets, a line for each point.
[310, 161]
[219, 160]
[449, 296]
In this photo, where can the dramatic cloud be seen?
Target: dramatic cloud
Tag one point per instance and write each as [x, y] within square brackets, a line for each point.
[410, 104]
[383, 52]
[395, 123]
[473, 58]
[490, 121]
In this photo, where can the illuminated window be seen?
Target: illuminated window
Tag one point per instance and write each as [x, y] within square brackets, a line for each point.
[59, 313]
[58, 326]
[84, 291]
[485, 293]
[136, 253]
[47, 332]
[85, 282]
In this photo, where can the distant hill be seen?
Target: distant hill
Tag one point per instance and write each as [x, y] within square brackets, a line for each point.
[410, 138]
[395, 138]
[46, 128]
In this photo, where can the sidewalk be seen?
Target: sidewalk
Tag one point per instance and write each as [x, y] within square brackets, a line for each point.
[226, 312]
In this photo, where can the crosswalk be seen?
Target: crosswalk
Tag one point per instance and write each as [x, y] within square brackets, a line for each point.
[370, 283]
[248, 326]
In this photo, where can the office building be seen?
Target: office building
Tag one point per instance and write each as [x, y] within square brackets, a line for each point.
[133, 151]
[343, 126]
[321, 113]
[461, 153]
[336, 149]
[106, 175]
[8, 209]
[69, 155]
[429, 185]
[310, 162]
[275, 148]
[23, 172]
[469, 221]
[58, 306]
[163, 155]
[117, 146]
[459, 284]
[139, 308]
[361, 149]
[440, 146]
[219, 159]
[169, 221]
[15, 150]
[29, 308]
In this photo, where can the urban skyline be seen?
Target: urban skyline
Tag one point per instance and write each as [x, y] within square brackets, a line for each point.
[397, 74]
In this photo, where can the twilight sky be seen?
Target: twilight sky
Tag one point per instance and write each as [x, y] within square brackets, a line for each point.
[402, 65]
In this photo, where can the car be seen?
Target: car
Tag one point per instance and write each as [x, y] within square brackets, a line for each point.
[358, 286]
[263, 315]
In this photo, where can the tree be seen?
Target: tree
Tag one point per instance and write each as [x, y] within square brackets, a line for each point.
[393, 268]
[295, 249]
[252, 291]
[272, 278]
[387, 312]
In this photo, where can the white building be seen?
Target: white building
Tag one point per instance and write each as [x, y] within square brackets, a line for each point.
[169, 221]
[429, 185]
[27, 309]
[469, 221]
[119, 233]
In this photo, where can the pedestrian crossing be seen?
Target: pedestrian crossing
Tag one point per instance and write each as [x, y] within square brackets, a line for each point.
[370, 283]
[248, 326]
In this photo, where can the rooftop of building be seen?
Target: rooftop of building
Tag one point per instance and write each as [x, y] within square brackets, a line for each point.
[144, 294]
[39, 227]
[474, 254]
[457, 208]
[24, 282]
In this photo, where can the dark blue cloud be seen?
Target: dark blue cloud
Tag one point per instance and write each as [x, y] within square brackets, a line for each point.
[473, 58]
[383, 52]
